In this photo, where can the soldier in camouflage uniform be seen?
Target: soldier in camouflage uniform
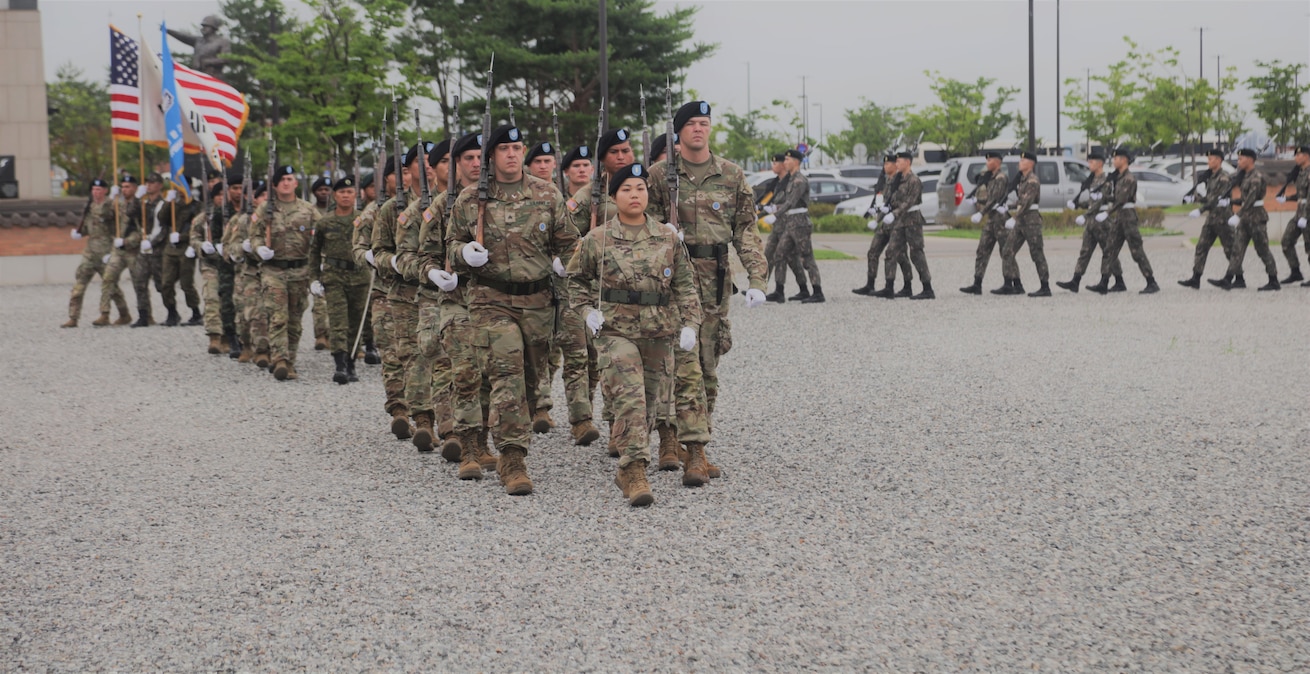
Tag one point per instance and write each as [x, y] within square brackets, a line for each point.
[321, 190]
[991, 192]
[887, 183]
[217, 275]
[526, 236]
[1217, 186]
[178, 261]
[1095, 234]
[147, 265]
[767, 203]
[97, 227]
[1296, 226]
[715, 211]
[1122, 214]
[393, 374]
[906, 225]
[337, 277]
[1251, 224]
[633, 278]
[247, 293]
[127, 240]
[282, 243]
[1025, 226]
[792, 208]
[577, 169]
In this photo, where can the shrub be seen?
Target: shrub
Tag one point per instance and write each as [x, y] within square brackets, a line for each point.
[840, 224]
[818, 210]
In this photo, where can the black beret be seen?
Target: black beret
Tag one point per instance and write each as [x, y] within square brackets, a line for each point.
[366, 181]
[581, 152]
[1095, 156]
[904, 154]
[468, 143]
[235, 177]
[154, 178]
[437, 152]
[99, 183]
[259, 188]
[1247, 152]
[687, 112]
[1216, 152]
[630, 171]
[1303, 149]
[410, 156]
[889, 158]
[1121, 152]
[610, 139]
[389, 169]
[794, 154]
[659, 146]
[284, 170]
[129, 178]
[344, 184]
[992, 154]
[321, 181]
[780, 156]
[506, 133]
[1028, 155]
[542, 149]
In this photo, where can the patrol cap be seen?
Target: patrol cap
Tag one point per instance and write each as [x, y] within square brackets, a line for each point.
[437, 152]
[1121, 152]
[794, 154]
[344, 184]
[129, 178]
[505, 133]
[660, 145]
[99, 183]
[154, 178]
[468, 143]
[282, 172]
[1303, 149]
[235, 177]
[904, 154]
[1246, 152]
[259, 188]
[610, 139]
[366, 181]
[688, 112]
[992, 154]
[626, 173]
[542, 149]
[410, 156]
[1216, 152]
[779, 157]
[579, 153]
[1095, 156]
[321, 181]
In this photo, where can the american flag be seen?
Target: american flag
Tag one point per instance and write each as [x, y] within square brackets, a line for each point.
[222, 108]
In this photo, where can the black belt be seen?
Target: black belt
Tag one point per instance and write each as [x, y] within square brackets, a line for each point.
[707, 251]
[645, 299]
[286, 264]
[512, 288]
[347, 265]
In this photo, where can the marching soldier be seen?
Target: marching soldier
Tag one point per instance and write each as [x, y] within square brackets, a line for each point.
[1095, 234]
[393, 373]
[337, 278]
[283, 246]
[716, 210]
[97, 227]
[647, 293]
[577, 169]
[204, 240]
[778, 265]
[993, 188]
[1122, 215]
[887, 183]
[1025, 226]
[251, 321]
[793, 207]
[1250, 224]
[1296, 226]
[525, 237]
[906, 236]
[659, 149]
[147, 265]
[324, 205]
[322, 190]
[540, 161]
[127, 239]
[178, 262]
[1217, 187]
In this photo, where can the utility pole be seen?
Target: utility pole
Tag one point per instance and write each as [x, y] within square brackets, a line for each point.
[1201, 30]
[1088, 99]
[1032, 83]
[604, 66]
[805, 113]
[1058, 146]
[748, 89]
[820, 107]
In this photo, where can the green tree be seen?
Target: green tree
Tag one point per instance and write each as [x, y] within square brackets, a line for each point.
[965, 116]
[875, 126]
[1229, 119]
[1103, 115]
[1278, 94]
[744, 138]
[79, 127]
[253, 25]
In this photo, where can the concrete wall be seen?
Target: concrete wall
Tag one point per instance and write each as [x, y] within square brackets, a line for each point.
[24, 122]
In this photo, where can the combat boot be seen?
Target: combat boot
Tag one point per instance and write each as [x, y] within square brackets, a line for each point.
[371, 356]
[1226, 282]
[1272, 284]
[70, 323]
[196, 318]
[1101, 288]
[215, 345]
[400, 424]
[670, 450]
[173, 319]
[906, 290]
[423, 433]
[541, 422]
[869, 287]
[613, 448]
[927, 293]
[453, 444]
[631, 480]
[803, 294]
[1239, 282]
[975, 289]
[695, 472]
[350, 371]
[1193, 283]
[585, 433]
[777, 295]
[514, 471]
[124, 318]
[1071, 285]
[142, 320]
[339, 358]
[816, 297]
[281, 370]
[292, 375]
[321, 343]
[1293, 277]
[1119, 285]
[102, 321]
[261, 360]
[246, 354]
[469, 466]
[710, 469]
[486, 457]
[1306, 284]
[1151, 287]
[1006, 288]
[888, 292]
[1044, 291]
[1018, 288]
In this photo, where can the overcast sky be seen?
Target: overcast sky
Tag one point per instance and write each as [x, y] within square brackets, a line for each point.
[860, 48]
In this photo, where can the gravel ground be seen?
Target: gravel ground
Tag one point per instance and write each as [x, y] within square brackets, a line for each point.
[986, 484]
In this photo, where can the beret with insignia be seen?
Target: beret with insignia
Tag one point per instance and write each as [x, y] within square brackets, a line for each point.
[610, 139]
[689, 111]
[468, 143]
[579, 153]
[629, 172]
[345, 183]
[539, 150]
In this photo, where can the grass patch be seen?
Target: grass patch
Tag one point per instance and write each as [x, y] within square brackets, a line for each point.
[1053, 233]
[1179, 209]
[830, 254]
[1217, 243]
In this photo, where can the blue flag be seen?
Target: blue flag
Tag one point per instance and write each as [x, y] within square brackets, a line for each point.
[173, 122]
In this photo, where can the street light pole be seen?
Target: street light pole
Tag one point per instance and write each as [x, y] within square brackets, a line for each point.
[805, 112]
[1032, 82]
[1059, 147]
[820, 107]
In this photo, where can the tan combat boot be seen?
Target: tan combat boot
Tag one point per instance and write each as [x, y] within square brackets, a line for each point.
[261, 360]
[246, 354]
[281, 369]
[102, 321]
[124, 318]
[446, 427]
[585, 433]
[486, 457]
[423, 434]
[320, 343]
[613, 447]
[631, 480]
[400, 424]
[541, 421]
[291, 372]
[514, 472]
[470, 467]
[452, 445]
[215, 345]
[711, 469]
[694, 471]
[70, 323]
[669, 447]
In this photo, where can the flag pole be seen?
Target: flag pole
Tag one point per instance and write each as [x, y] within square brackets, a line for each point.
[113, 150]
[140, 136]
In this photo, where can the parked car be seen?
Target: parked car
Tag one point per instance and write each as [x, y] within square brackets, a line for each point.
[1182, 168]
[1157, 188]
[1061, 178]
[860, 205]
[834, 190]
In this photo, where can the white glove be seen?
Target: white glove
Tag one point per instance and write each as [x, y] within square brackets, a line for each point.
[770, 209]
[1071, 204]
[145, 246]
[474, 254]
[558, 267]
[444, 279]
[208, 247]
[1195, 213]
[174, 237]
[245, 245]
[1234, 221]
[393, 265]
[1002, 209]
[873, 225]
[1300, 222]
[170, 196]
[1102, 216]
[1281, 200]
[675, 230]
[75, 234]
[975, 218]
[754, 298]
[770, 219]
[118, 243]
[1188, 199]
[889, 218]
[1080, 221]
[368, 255]
[595, 319]
[190, 253]
[1096, 195]
[1225, 202]
[219, 247]
[316, 289]
[687, 339]
[105, 259]
[1009, 223]
[971, 200]
[114, 192]
[140, 191]
[264, 252]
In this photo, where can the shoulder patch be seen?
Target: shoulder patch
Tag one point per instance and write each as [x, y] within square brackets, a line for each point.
[572, 205]
[402, 218]
[356, 223]
[427, 216]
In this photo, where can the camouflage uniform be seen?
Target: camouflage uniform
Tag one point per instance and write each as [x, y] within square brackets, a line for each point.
[1253, 228]
[1096, 234]
[793, 209]
[1027, 229]
[217, 274]
[402, 306]
[427, 386]
[1292, 232]
[285, 278]
[393, 375]
[716, 210]
[907, 229]
[148, 266]
[345, 282]
[1123, 227]
[777, 265]
[991, 193]
[97, 227]
[247, 292]
[573, 342]
[511, 305]
[124, 258]
[1217, 187]
[318, 307]
[882, 236]
[648, 294]
[177, 267]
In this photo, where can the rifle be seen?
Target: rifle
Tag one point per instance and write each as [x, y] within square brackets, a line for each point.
[247, 189]
[380, 162]
[1201, 176]
[401, 198]
[671, 143]
[1292, 177]
[914, 149]
[354, 167]
[300, 166]
[207, 198]
[645, 131]
[511, 113]
[451, 181]
[484, 174]
[596, 205]
[272, 196]
[559, 166]
[425, 194]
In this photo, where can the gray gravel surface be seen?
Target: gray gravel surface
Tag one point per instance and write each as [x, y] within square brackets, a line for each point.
[988, 484]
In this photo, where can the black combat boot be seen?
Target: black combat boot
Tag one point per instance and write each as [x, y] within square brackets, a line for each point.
[196, 318]
[234, 347]
[1072, 285]
[1194, 282]
[803, 294]
[1306, 284]
[815, 297]
[888, 291]
[1006, 289]
[1293, 277]
[1239, 282]
[906, 290]
[1119, 285]
[1272, 284]
[1044, 291]
[777, 295]
[1226, 282]
[173, 318]
[340, 376]
[1101, 288]
[927, 293]
[1151, 287]
[975, 289]
[350, 370]
[371, 356]
[143, 320]
[868, 288]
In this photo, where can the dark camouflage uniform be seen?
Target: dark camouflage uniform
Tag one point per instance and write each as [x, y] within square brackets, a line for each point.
[1096, 234]
[1253, 226]
[148, 266]
[97, 228]
[1216, 222]
[906, 229]
[992, 192]
[778, 265]
[285, 278]
[1292, 232]
[1027, 229]
[795, 243]
[177, 268]
[882, 235]
[345, 282]
[1123, 227]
